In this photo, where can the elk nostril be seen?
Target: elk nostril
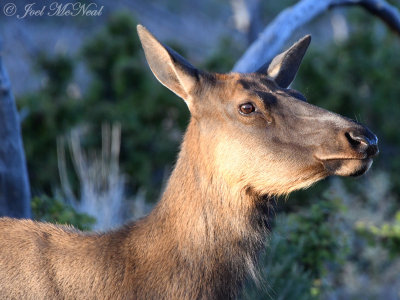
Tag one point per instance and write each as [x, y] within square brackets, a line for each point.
[363, 143]
[356, 140]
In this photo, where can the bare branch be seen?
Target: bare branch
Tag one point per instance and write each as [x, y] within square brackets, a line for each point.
[272, 39]
[388, 13]
[274, 36]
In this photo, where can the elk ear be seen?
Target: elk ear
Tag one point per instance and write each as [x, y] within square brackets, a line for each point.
[171, 69]
[283, 68]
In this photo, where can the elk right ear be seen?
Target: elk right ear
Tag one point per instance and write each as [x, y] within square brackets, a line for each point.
[171, 69]
[283, 68]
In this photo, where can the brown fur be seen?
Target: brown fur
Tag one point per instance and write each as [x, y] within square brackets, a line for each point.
[196, 247]
[202, 239]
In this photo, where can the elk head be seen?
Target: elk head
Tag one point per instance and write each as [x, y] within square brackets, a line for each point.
[254, 131]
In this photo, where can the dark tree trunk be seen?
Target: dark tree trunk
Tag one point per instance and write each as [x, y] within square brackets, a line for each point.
[14, 184]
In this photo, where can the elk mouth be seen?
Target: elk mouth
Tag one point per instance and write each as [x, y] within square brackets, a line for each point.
[356, 161]
[348, 166]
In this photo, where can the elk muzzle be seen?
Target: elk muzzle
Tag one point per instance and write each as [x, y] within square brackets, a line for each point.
[357, 146]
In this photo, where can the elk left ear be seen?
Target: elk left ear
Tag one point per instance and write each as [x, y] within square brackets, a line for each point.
[171, 69]
[283, 68]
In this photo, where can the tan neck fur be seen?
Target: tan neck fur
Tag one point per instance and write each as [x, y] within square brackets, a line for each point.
[215, 231]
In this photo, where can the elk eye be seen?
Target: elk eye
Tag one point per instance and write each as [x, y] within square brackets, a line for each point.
[247, 108]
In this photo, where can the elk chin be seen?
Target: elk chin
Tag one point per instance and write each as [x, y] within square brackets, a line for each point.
[347, 167]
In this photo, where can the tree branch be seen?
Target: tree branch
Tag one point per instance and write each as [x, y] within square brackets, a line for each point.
[274, 36]
[388, 13]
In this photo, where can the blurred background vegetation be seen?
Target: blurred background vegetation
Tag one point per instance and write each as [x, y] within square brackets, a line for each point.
[338, 240]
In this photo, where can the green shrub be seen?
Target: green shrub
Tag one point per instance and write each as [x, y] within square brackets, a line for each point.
[49, 113]
[301, 247]
[53, 210]
[386, 235]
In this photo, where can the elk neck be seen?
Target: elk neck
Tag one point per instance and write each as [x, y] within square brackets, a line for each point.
[217, 230]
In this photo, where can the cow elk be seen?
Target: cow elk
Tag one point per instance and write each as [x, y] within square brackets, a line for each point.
[250, 138]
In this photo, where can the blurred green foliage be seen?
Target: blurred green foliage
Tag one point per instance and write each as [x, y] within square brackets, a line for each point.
[387, 235]
[316, 232]
[122, 90]
[299, 250]
[53, 210]
[49, 113]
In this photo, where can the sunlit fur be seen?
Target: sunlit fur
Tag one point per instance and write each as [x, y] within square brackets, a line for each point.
[288, 154]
